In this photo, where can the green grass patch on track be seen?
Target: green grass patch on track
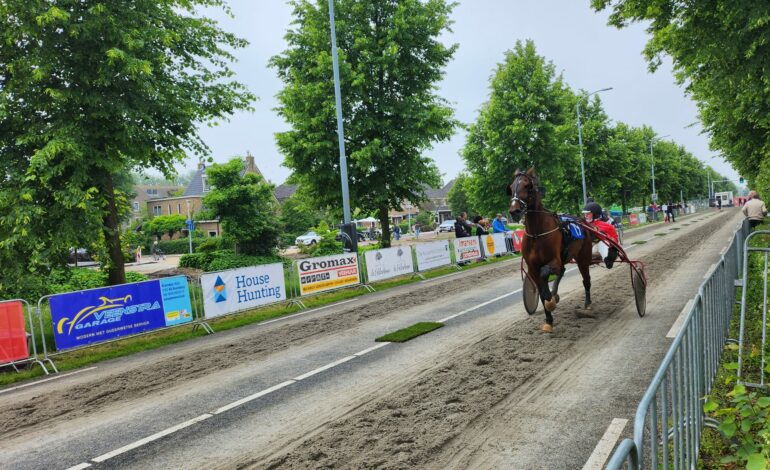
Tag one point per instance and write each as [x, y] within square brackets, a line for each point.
[660, 234]
[640, 242]
[405, 334]
[676, 228]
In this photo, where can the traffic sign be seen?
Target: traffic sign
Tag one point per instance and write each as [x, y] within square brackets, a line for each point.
[654, 196]
[190, 225]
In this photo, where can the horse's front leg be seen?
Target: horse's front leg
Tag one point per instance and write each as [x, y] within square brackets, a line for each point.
[545, 295]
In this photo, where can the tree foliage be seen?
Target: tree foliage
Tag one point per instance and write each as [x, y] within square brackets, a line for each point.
[245, 204]
[460, 195]
[164, 225]
[721, 53]
[88, 90]
[391, 60]
[531, 120]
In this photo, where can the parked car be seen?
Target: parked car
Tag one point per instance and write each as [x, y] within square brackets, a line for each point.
[447, 226]
[361, 237]
[310, 238]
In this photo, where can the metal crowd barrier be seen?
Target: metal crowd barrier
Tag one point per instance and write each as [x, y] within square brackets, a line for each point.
[669, 420]
[742, 373]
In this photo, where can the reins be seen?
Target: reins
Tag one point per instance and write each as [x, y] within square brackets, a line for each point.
[526, 210]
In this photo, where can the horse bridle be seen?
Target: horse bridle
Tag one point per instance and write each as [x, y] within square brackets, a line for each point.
[525, 207]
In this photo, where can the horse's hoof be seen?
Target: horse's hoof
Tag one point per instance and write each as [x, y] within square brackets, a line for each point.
[550, 305]
[556, 298]
[547, 328]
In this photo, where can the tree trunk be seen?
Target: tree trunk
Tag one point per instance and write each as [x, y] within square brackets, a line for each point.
[116, 272]
[385, 224]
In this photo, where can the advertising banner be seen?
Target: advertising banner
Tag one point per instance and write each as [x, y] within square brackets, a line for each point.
[388, 262]
[642, 218]
[243, 288]
[96, 315]
[517, 237]
[467, 249]
[327, 273]
[13, 333]
[432, 255]
[494, 244]
[633, 219]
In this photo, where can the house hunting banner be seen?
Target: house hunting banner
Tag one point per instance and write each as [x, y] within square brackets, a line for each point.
[389, 262]
[244, 288]
[327, 273]
[96, 315]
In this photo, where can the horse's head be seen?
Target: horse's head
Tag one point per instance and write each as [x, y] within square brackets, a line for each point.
[523, 192]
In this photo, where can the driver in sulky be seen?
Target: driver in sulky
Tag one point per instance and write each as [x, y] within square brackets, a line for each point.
[593, 215]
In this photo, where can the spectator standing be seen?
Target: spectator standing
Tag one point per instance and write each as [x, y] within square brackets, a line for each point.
[754, 209]
[462, 227]
[719, 203]
[664, 208]
[397, 232]
[480, 226]
[498, 226]
[416, 230]
[670, 214]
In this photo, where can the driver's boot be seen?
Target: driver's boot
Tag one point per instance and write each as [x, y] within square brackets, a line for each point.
[612, 255]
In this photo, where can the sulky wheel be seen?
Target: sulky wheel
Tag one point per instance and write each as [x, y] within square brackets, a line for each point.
[531, 298]
[639, 285]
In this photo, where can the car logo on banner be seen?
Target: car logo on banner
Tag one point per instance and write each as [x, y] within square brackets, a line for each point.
[87, 312]
[220, 292]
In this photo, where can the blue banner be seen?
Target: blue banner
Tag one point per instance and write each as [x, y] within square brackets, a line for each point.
[96, 315]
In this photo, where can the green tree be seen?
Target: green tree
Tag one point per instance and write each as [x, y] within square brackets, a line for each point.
[391, 60]
[719, 51]
[88, 89]
[517, 128]
[298, 215]
[460, 196]
[164, 225]
[245, 204]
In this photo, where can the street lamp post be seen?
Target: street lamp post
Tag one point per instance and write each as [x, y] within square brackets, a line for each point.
[652, 171]
[340, 131]
[580, 143]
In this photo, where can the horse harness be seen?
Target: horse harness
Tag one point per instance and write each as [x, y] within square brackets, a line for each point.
[523, 204]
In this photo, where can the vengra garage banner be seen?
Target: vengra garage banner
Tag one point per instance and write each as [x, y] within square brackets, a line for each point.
[239, 289]
[96, 315]
[327, 273]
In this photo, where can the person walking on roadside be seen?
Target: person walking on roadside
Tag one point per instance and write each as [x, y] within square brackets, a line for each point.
[397, 232]
[719, 203]
[670, 213]
[754, 209]
[498, 226]
[417, 230]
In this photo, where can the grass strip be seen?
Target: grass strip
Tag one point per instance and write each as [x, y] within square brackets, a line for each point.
[676, 228]
[660, 234]
[405, 334]
[102, 352]
[640, 242]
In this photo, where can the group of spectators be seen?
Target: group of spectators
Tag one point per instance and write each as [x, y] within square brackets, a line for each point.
[465, 228]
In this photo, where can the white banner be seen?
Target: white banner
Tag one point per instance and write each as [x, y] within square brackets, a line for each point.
[327, 273]
[432, 255]
[243, 288]
[388, 262]
[467, 249]
[494, 244]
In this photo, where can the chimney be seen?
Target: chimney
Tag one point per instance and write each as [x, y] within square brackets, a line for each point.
[251, 166]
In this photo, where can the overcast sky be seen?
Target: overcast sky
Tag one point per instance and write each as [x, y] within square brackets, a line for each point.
[590, 54]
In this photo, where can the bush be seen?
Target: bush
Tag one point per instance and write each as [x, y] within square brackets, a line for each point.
[222, 260]
[81, 279]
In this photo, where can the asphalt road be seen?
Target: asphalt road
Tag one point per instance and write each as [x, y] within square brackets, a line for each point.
[488, 390]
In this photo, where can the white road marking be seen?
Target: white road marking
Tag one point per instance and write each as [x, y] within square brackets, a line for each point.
[323, 368]
[251, 397]
[602, 450]
[149, 439]
[373, 348]
[679, 320]
[80, 466]
[287, 317]
[476, 307]
[61, 376]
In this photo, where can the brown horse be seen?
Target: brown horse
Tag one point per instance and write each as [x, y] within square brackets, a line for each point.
[545, 248]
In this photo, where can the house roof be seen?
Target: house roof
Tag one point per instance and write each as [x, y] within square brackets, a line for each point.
[285, 191]
[440, 193]
[195, 188]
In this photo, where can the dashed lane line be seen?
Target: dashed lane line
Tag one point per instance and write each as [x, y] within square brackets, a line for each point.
[602, 450]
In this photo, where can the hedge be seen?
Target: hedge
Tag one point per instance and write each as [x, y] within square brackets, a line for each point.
[80, 279]
[222, 260]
